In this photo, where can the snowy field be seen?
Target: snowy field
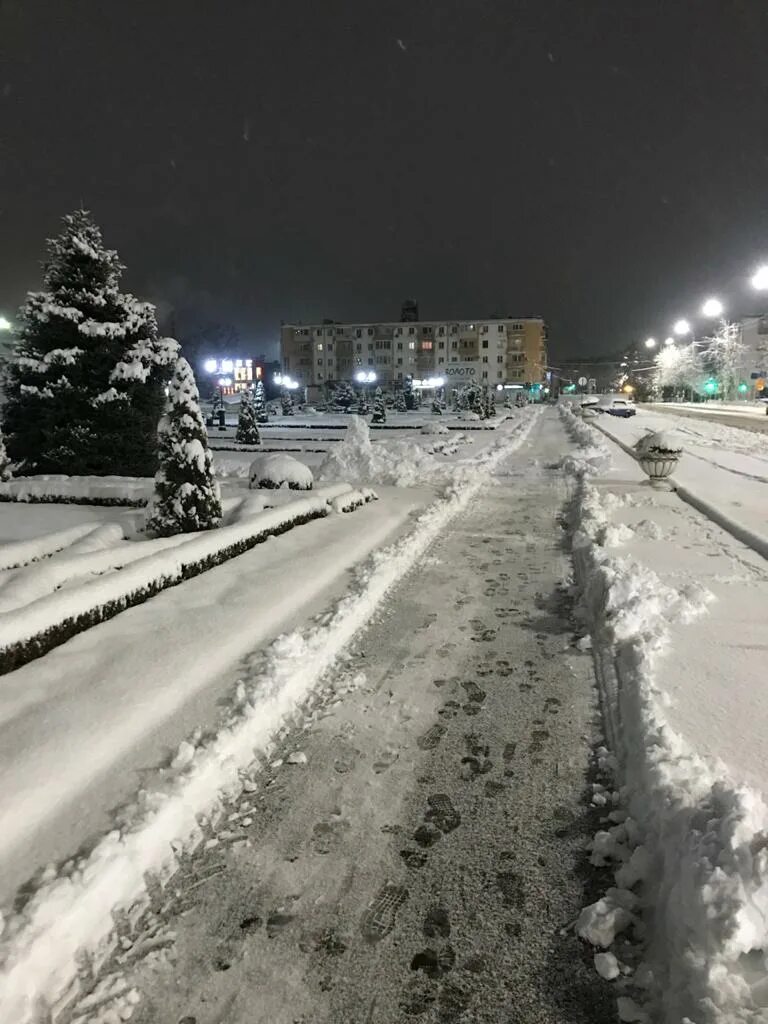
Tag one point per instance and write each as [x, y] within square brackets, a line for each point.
[676, 611]
[95, 722]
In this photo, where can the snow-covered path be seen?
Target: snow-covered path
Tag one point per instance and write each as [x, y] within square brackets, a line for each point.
[420, 864]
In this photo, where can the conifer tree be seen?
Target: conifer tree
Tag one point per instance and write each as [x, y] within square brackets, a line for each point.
[400, 405]
[362, 405]
[286, 402]
[247, 430]
[186, 495]
[259, 403]
[85, 385]
[379, 408]
[5, 462]
[408, 394]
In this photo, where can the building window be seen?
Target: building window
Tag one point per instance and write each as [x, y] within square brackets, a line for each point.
[398, 331]
[319, 346]
[319, 376]
[485, 359]
[426, 330]
[441, 330]
[329, 332]
[453, 328]
[485, 343]
[517, 327]
[454, 344]
[499, 374]
[358, 332]
[330, 346]
[400, 346]
[400, 361]
[411, 330]
[441, 360]
[500, 328]
[485, 375]
[454, 359]
[359, 347]
[441, 344]
[426, 346]
[319, 332]
[411, 345]
[370, 330]
[485, 329]
[499, 359]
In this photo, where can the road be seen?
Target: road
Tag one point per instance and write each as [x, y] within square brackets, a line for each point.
[750, 418]
[427, 859]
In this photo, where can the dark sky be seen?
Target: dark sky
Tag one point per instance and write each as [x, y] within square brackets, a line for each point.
[603, 163]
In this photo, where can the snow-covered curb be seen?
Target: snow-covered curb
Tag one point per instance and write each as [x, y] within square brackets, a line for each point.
[71, 913]
[79, 490]
[592, 455]
[694, 845]
[32, 630]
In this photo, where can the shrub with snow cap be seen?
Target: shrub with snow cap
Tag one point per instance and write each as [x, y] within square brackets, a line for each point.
[275, 470]
[84, 387]
[186, 496]
[259, 403]
[379, 409]
[247, 430]
[286, 403]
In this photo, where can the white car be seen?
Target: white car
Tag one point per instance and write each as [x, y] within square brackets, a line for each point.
[617, 405]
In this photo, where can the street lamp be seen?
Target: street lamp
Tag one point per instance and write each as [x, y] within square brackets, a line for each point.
[681, 327]
[650, 343]
[5, 325]
[669, 341]
[760, 278]
[713, 308]
[363, 377]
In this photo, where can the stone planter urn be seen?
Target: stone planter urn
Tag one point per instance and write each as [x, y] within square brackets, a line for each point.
[658, 457]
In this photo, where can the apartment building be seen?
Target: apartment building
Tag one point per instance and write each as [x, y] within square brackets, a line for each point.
[512, 350]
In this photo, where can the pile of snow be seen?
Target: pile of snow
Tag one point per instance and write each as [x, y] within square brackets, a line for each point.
[118, 490]
[275, 470]
[397, 463]
[467, 414]
[592, 455]
[690, 843]
[435, 428]
[659, 441]
[24, 551]
[72, 912]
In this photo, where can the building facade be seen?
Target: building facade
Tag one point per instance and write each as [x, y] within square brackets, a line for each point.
[509, 351]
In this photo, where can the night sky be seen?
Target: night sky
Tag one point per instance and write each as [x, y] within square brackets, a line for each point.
[602, 163]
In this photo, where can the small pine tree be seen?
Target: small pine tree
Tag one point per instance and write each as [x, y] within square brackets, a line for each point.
[400, 405]
[286, 403]
[186, 498]
[247, 430]
[260, 404]
[437, 409]
[379, 408]
[344, 395]
[476, 400]
[362, 405]
[409, 396]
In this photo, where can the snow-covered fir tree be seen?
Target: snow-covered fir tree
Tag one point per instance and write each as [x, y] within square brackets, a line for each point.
[85, 385]
[247, 429]
[186, 496]
[408, 393]
[476, 401]
[362, 404]
[379, 408]
[489, 407]
[286, 402]
[344, 395]
[5, 462]
[260, 403]
[400, 405]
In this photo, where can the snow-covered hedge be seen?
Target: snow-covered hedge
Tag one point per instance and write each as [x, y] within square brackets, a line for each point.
[277, 470]
[688, 843]
[31, 631]
[131, 491]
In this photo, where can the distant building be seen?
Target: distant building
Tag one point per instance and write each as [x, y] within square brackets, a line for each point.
[754, 361]
[507, 351]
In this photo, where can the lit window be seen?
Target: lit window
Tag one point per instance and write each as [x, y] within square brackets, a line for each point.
[426, 346]
[411, 344]
[319, 346]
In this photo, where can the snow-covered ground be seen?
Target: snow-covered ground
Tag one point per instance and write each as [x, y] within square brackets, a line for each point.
[83, 726]
[676, 610]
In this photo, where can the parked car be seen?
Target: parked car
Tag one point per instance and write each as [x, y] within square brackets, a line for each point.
[615, 405]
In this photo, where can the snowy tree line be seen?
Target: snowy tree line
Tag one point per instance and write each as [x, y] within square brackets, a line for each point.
[683, 371]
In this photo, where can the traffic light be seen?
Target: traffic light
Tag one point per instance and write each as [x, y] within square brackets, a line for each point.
[743, 387]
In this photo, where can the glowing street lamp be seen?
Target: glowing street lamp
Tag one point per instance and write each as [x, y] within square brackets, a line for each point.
[5, 324]
[713, 308]
[760, 278]
[681, 327]
[669, 341]
[650, 343]
[211, 365]
[365, 377]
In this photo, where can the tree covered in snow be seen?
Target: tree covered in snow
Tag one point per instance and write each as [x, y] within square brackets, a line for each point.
[286, 402]
[408, 392]
[678, 370]
[260, 403]
[217, 401]
[85, 385]
[247, 429]
[186, 497]
[437, 408]
[489, 405]
[726, 356]
[362, 404]
[379, 408]
[344, 395]
[400, 405]
[5, 462]
[476, 400]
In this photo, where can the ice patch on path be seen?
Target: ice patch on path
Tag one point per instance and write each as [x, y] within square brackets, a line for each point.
[73, 912]
[394, 463]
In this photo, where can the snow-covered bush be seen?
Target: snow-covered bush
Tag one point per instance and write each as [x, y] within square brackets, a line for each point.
[435, 428]
[400, 405]
[286, 403]
[247, 430]
[186, 495]
[275, 470]
[85, 385]
[5, 462]
[379, 409]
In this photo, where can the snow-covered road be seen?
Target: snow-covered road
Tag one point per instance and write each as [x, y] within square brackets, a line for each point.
[418, 861]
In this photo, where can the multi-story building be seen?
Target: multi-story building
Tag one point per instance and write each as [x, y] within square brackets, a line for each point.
[493, 351]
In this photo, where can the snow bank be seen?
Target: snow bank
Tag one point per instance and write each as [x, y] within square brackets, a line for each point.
[83, 490]
[24, 551]
[73, 912]
[592, 455]
[276, 470]
[397, 463]
[694, 843]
